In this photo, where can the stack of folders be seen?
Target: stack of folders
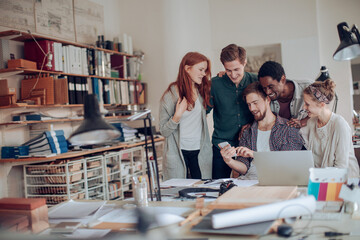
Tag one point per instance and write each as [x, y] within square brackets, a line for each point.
[47, 143]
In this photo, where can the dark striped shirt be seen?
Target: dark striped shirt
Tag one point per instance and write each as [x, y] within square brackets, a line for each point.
[282, 138]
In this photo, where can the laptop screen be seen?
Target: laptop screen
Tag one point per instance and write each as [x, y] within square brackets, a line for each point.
[283, 168]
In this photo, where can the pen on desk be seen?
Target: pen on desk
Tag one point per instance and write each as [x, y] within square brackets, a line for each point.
[208, 181]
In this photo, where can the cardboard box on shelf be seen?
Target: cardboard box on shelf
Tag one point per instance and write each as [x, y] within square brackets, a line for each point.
[21, 63]
[4, 88]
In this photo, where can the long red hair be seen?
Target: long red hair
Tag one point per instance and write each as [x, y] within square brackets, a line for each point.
[184, 82]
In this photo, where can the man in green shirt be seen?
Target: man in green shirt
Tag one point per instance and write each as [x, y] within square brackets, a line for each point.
[230, 111]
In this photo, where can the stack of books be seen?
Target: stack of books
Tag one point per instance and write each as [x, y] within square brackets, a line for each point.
[47, 143]
[127, 133]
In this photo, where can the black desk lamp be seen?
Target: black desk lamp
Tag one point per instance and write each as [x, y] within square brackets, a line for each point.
[145, 115]
[94, 129]
[324, 74]
[349, 47]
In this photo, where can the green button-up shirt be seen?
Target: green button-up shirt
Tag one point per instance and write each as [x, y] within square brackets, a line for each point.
[230, 110]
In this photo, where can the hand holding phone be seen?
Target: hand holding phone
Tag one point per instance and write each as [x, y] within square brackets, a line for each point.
[222, 145]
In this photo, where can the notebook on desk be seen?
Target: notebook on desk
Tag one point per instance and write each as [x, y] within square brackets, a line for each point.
[283, 168]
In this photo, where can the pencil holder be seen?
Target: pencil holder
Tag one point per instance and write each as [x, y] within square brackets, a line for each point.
[325, 183]
[141, 194]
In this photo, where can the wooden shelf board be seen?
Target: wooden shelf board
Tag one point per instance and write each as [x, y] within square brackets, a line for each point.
[42, 106]
[24, 36]
[62, 105]
[74, 154]
[25, 71]
[58, 120]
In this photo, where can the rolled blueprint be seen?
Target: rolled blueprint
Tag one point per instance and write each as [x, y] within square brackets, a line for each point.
[285, 209]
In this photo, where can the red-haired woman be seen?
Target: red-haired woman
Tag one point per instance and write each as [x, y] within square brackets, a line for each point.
[187, 152]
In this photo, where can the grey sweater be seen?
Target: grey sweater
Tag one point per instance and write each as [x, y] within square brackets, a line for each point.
[173, 160]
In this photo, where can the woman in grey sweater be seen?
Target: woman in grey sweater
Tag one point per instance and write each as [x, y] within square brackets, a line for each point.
[327, 134]
[183, 120]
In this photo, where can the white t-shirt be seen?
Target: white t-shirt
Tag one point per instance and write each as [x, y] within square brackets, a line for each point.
[263, 141]
[262, 145]
[190, 128]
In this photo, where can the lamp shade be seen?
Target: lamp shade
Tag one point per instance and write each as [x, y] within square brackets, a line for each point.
[93, 129]
[349, 47]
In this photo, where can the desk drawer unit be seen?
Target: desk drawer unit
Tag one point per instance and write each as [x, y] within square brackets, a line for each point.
[56, 181]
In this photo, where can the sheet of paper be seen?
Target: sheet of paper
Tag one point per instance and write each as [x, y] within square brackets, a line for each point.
[88, 219]
[120, 216]
[84, 221]
[245, 183]
[81, 233]
[129, 215]
[179, 182]
[72, 209]
[88, 234]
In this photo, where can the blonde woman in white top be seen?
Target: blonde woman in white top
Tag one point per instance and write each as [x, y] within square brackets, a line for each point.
[327, 134]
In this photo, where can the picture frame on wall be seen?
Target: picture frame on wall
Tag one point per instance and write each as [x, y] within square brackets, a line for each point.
[258, 55]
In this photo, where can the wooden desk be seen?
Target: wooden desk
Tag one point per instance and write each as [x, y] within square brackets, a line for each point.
[346, 224]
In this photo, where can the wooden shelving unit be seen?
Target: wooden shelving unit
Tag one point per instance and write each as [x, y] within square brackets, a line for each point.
[22, 36]
[6, 165]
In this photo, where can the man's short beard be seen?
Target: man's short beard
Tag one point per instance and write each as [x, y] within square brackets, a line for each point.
[261, 117]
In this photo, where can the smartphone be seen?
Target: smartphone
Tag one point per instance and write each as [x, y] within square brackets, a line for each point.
[224, 144]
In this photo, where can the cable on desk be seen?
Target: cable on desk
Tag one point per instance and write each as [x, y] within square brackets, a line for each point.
[185, 192]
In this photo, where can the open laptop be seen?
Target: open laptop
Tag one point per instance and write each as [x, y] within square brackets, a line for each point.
[283, 168]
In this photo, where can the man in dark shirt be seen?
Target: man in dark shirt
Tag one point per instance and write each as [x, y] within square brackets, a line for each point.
[230, 111]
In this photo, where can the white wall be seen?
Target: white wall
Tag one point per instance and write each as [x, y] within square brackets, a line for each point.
[252, 23]
[165, 30]
[330, 13]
